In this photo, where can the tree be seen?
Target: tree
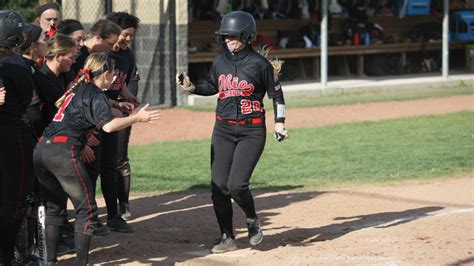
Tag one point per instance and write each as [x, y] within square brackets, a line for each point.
[25, 7]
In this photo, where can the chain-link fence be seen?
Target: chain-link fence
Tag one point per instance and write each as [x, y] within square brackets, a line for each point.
[157, 44]
[160, 43]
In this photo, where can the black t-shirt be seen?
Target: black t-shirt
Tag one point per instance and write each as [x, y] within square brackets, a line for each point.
[125, 70]
[19, 87]
[241, 81]
[49, 88]
[80, 61]
[85, 109]
[34, 109]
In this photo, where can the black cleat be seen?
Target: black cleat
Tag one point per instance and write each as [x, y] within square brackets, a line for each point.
[255, 231]
[120, 225]
[224, 244]
[98, 228]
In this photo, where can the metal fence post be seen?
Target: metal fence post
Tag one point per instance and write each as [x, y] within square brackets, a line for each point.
[108, 6]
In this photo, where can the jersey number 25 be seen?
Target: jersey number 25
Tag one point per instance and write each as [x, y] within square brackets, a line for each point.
[247, 106]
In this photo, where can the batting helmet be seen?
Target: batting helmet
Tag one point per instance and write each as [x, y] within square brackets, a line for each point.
[12, 26]
[237, 23]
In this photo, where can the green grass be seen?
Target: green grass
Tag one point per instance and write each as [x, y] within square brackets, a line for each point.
[359, 97]
[391, 150]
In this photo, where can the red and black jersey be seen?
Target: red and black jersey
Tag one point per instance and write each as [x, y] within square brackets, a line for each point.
[124, 71]
[241, 81]
[19, 86]
[85, 109]
[49, 88]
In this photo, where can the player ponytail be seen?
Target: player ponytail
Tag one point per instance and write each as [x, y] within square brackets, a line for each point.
[96, 64]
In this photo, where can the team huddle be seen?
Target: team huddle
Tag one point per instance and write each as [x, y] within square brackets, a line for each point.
[67, 103]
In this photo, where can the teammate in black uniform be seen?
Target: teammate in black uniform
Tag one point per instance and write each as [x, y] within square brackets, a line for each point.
[16, 140]
[101, 37]
[28, 241]
[125, 69]
[75, 30]
[57, 160]
[49, 83]
[241, 77]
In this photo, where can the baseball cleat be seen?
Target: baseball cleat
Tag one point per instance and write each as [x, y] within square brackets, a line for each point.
[255, 231]
[224, 244]
[119, 225]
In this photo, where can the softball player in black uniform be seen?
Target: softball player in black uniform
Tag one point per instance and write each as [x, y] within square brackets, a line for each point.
[75, 30]
[57, 160]
[241, 77]
[102, 37]
[49, 82]
[126, 69]
[16, 140]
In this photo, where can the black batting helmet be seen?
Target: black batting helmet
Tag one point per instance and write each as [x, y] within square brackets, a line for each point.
[237, 23]
[12, 26]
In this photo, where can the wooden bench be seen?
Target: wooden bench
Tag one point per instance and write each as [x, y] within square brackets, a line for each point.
[201, 32]
[359, 51]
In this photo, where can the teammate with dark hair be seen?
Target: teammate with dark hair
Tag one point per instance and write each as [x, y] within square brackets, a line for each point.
[241, 77]
[57, 160]
[126, 70]
[75, 30]
[16, 140]
[102, 159]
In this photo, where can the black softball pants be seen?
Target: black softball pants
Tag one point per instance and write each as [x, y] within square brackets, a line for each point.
[62, 174]
[235, 151]
[123, 165]
[16, 179]
[105, 164]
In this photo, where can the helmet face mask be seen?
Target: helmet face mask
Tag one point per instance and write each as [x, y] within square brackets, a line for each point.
[237, 23]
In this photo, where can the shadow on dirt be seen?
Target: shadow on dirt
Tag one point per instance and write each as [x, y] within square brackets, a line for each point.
[178, 226]
[306, 236]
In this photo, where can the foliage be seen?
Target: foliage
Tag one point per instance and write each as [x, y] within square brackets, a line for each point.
[25, 7]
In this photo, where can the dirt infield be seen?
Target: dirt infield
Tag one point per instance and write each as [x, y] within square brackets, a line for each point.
[181, 124]
[410, 223]
[405, 223]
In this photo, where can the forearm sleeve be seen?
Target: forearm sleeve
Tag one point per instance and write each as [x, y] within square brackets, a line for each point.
[279, 108]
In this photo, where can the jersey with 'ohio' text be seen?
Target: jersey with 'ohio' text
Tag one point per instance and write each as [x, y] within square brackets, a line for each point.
[240, 81]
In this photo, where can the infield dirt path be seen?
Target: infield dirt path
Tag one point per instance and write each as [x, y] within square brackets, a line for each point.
[409, 223]
[406, 223]
[181, 124]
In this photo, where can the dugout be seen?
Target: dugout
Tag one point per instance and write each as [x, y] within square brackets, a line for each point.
[317, 39]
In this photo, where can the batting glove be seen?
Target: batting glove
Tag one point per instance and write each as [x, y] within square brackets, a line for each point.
[281, 133]
[183, 80]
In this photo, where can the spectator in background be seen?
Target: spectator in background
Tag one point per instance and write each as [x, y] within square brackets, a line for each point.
[48, 16]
